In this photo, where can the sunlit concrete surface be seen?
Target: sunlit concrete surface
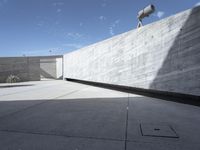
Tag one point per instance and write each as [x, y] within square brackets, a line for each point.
[159, 56]
[61, 115]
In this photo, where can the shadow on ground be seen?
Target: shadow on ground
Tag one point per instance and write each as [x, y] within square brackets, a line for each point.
[98, 123]
[11, 86]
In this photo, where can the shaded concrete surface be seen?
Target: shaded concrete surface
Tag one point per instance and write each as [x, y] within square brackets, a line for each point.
[70, 116]
[184, 119]
[182, 61]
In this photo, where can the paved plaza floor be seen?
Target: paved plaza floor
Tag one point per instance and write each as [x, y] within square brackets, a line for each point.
[61, 115]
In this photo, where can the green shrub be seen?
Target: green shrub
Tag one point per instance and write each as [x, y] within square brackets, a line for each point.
[12, 79]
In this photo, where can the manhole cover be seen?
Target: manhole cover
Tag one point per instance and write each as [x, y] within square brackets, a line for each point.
[156, 130]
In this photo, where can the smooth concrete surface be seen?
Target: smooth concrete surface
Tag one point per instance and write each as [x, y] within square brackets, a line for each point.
[59, 68]
[61, 115]
[31, 68]
[161, 56]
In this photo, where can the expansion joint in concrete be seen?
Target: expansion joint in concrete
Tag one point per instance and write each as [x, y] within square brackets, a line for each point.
[126, 129]
[13, 113]
[61, 135]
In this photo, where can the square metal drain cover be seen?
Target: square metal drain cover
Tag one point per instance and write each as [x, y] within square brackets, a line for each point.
[156, 130]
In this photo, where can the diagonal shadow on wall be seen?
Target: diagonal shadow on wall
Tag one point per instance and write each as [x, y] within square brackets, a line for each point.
[45, 74]
[180, 71]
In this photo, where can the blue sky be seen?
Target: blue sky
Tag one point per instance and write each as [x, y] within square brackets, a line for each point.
[48, 27]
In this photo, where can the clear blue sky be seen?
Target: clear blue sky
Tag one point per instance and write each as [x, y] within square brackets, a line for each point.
[36, 27]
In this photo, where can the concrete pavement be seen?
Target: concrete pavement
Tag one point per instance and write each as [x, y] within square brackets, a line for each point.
[70, 116]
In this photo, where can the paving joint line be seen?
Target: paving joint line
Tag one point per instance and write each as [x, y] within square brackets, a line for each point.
[44, 101]
[106, 139]
[18, 111]
[62, 135]
[70, 93]
[127, 116]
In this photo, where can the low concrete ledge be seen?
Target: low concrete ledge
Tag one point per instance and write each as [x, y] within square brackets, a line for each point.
[169, 96]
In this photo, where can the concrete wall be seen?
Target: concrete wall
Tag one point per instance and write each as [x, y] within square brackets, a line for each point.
[31, 68]
[59, 68]
[163, 56]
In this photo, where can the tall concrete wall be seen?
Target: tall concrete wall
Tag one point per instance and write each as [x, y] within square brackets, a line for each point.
[164, 56]
[14, 66]
[31, 68]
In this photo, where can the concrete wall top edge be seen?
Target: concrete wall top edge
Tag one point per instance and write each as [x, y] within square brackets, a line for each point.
[142, 29]
[163, 56]
[53, 56]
